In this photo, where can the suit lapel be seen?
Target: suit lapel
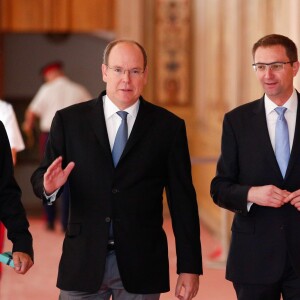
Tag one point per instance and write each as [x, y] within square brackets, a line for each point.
[98, 125]
[141, 125]
[296, 142]
[261, 132]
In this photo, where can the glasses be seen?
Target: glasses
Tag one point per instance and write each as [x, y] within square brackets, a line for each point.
[274, 66]
[118, 71]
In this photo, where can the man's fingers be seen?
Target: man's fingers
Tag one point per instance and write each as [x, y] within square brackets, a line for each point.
[22, 262]
[55, 163]
[55, 176]
[292, 196]
[69, 168]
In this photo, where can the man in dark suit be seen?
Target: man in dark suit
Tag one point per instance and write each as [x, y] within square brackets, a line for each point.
[12, 213]
[115, 243]
[264, 256]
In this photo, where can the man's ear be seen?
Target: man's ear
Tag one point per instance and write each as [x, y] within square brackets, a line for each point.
[104, 72]
[146, 75]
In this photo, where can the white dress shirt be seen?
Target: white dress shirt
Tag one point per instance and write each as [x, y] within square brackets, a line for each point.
[55, 95]
[113, 120]
[9, 120]
[290, 115]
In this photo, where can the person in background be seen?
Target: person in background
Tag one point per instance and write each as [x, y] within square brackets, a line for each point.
[12, 213]
[115, 244]
[57, 92]
[258, 179]
[9, 120]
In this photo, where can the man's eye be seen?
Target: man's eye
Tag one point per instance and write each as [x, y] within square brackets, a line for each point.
[261, 68]
[135, 72]
[118, 70]
[276, 67]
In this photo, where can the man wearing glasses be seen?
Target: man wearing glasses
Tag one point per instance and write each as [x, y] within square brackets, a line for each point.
[258, 179]
[118, 153]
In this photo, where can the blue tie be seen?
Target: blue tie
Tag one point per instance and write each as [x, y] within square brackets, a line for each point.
[282, 144]
[121, 138]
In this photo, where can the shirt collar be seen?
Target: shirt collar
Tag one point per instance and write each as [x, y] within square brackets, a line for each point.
[291, 104]
[110, 108]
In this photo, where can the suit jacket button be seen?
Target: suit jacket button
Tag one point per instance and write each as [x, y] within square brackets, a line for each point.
[107, 219]
[115, 191]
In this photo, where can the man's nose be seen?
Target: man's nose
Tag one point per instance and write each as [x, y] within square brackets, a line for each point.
[126, 75]
[268, 72]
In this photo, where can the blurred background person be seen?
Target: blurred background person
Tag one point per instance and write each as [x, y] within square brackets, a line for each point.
[57, 92]
[9, 120]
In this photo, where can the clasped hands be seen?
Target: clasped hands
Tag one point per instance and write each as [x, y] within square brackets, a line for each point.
[272, 196]
[56, 176]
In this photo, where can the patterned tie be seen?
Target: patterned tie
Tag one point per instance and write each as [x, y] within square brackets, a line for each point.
[121, 138]
[282, 144]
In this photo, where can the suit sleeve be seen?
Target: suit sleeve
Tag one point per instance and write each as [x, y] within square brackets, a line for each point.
[183, 206]
[225, 188]
[54, 149]
[12, 212]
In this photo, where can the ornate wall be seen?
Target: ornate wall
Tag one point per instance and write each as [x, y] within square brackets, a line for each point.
[172, 52]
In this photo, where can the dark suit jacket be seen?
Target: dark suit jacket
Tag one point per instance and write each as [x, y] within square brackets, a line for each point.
[156, 156]
[12, 213]
[262, 237]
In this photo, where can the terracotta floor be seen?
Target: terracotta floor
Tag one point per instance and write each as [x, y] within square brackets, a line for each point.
[39, 282]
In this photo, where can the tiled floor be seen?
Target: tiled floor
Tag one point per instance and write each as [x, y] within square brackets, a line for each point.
[39, 282]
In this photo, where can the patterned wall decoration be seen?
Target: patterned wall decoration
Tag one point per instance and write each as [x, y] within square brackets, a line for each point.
[172, 50]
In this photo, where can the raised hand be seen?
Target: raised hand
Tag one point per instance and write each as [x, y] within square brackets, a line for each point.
[55, 176]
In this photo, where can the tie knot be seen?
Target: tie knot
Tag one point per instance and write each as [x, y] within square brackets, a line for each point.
[123, 114]
[280, 110]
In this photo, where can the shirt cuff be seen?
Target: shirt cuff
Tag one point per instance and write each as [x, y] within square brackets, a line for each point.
[50, 198]
[249, 204]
